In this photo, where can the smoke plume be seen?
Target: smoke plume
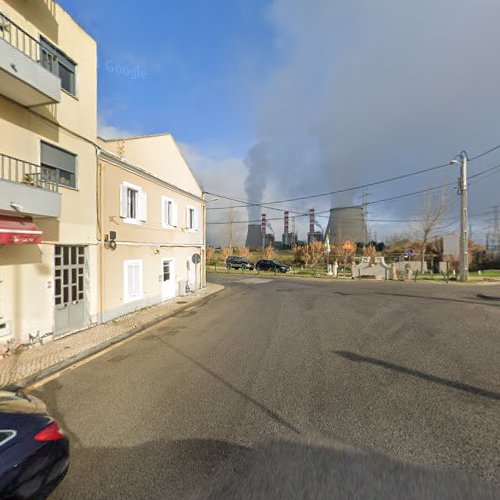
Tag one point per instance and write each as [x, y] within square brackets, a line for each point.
[368, 89]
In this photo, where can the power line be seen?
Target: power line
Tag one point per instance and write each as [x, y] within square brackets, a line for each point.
[345, 190]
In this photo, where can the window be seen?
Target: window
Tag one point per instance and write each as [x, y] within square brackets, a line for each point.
[58, 165]
[169, 212]
[6, 435]
[59, 63]
[132, 280]
[133, 203]
[166, 270]
[192, 218]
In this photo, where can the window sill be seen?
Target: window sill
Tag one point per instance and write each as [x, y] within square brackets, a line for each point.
[168, 226]
[136, 222]
[128, 300]
[71, 188]
[192, 230]
[70, 94]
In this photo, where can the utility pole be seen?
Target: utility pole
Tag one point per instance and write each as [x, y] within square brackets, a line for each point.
[367, 232]
[464, 219]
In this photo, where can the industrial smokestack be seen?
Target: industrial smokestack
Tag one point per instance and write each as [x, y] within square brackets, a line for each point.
[286, 230]
[312, 221]
[263, 227]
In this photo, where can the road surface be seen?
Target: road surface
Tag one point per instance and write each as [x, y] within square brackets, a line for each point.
[294, 388]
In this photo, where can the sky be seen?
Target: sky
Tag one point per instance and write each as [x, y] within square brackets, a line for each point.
[277, 99]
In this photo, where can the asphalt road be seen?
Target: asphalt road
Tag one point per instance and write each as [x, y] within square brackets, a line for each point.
[294, 388]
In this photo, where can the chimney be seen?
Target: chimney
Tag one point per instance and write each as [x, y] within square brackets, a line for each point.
[312, 221]
[263, 227]
[286, 230]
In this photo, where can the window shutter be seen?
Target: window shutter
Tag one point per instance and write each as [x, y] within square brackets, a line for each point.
[175, 215]
[196, 220]
[187, 218]
[123, 201]
[143, 206]
[164, 210]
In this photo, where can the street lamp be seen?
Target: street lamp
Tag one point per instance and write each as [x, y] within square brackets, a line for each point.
[462, 160]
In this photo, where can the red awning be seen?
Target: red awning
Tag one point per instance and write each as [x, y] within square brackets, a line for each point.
[18, 231]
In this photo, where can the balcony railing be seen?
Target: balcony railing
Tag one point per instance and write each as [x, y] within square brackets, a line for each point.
[25, 43]
[24, 172]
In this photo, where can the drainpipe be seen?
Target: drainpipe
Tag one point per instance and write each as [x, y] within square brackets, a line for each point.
[100, 237]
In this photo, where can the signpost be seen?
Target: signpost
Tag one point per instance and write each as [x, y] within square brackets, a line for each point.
[348, 246]
[409, 251]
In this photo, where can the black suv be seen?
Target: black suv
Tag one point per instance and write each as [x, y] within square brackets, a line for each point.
[272, 265]
[234, 262]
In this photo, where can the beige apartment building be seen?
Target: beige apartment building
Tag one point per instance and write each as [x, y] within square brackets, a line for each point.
[151, 221]
[87, 231]
[48, 102]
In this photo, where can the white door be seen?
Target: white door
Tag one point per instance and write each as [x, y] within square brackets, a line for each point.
[191, 274]
[167, 279]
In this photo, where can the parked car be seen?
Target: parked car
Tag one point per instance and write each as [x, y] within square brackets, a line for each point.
[272, 265]
[234, 262]
[34, 451]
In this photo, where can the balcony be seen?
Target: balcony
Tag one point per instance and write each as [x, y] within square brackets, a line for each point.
[28, 73]
[28, 188]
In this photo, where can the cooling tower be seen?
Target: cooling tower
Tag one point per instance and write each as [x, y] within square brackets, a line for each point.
[347, 223]
[254, 236]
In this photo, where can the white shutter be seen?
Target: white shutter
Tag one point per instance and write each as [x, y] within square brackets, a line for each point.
[132, 277]
[175, 214]
[123, 200]
[196, 220]
[143, 206]
[164, 210]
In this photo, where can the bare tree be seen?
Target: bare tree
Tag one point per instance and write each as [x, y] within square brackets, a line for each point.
[431, 214]
[209, 255]
[269, 252]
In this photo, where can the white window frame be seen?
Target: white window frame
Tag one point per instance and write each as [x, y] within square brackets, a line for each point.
[127, 264]
[195, 226]
[140, 205]
[168, 224]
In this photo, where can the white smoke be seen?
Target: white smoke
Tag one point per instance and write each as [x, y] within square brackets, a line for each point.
[374, 88]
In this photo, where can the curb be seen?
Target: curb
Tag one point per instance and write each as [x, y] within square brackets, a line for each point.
[62, 365]
[488, 297]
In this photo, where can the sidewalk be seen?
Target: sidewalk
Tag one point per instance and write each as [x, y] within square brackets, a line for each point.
[38, 362]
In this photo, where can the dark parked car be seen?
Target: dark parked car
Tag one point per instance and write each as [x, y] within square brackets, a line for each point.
[238, 263]
[272, 265]
[34, 452]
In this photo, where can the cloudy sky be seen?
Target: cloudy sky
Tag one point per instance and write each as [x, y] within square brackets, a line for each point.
[278, 99]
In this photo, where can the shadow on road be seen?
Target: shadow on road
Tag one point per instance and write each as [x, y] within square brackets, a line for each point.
[288, 470]
[156, 469]
[476, 391]
[213, 470]
[474, 300]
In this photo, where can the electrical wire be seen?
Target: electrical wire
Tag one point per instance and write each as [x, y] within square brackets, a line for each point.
[345, 190]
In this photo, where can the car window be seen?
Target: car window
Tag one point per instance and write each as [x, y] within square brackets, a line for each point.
[6, 435]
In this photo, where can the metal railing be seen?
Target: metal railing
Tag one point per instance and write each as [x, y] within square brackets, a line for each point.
[24, 172]
[25, 43]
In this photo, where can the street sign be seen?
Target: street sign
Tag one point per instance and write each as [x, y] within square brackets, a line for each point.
[409, 251]
[196, 258]
[348, 245]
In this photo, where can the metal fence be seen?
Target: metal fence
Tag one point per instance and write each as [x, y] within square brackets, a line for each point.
[25, 43]
[20, 171]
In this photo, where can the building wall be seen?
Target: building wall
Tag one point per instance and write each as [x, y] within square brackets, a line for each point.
[148, 241]
[114, 301]
[160, 155]
[26, 271]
